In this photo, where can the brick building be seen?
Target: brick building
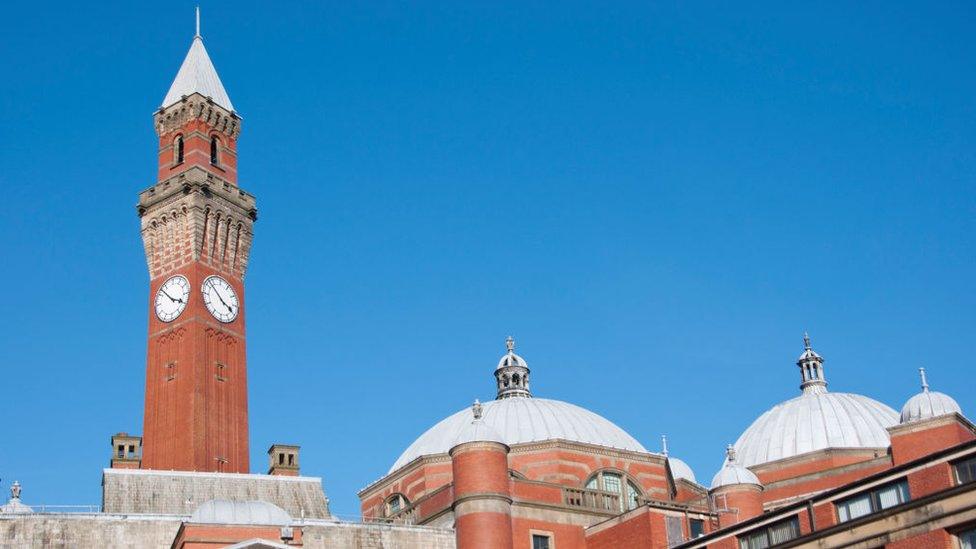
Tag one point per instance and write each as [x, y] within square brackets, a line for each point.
[824, 469]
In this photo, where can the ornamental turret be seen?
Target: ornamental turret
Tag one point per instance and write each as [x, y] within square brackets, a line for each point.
[811, 369]
[512, 374]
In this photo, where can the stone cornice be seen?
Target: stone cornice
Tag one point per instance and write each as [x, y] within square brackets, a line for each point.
[816, 455]
[929, 423]
[196, 106]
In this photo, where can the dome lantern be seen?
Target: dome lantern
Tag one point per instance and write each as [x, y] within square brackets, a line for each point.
[812, 378]
[512, 374]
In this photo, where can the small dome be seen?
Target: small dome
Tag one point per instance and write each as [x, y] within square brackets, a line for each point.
[222, 511]
[510, 359]
[733, 473]
[680, 469]
[521, 419]
[928, 404]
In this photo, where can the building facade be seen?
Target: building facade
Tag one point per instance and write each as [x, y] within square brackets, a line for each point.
[822, 469]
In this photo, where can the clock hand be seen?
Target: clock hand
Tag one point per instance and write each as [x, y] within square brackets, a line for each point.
[229, 309]
[171, 298]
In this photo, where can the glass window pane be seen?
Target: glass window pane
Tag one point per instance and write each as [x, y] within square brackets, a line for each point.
[611, 482]
[759, 540]
[784, 531]
[696, 527]
[592, 484]
[852, 508]
[633, 496]
[968, 539]
[889, 496]
[966, 471]
[540, 542]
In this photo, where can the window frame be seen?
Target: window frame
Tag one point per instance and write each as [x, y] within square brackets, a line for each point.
[549, 536]
[625, 482]
[744, 542]
[969, 465]
[388, 504]
[874, 499]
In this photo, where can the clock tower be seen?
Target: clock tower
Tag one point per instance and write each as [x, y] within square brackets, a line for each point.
[197, 229]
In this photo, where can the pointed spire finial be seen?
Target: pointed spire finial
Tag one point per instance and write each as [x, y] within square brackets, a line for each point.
[477, 410]
[806, 340]
[664, 445]
[730, 453]
[198, 23]
[925, 382]
[510, 344]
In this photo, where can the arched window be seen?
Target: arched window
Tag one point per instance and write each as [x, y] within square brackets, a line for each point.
[215, 151]
[178, 150]
[628, 492]
[395, 504]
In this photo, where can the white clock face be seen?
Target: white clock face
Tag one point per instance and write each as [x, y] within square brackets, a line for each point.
[220, 298]
[172, 297]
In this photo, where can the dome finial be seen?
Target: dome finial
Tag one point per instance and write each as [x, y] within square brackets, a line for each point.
[664, 445]
[15, 490]
[925, 383]
[806, 341]
[730, 453]
[510, 344]
[197, 35]
[477, 410]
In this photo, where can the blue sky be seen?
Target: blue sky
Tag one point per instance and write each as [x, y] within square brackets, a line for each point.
[656, 200]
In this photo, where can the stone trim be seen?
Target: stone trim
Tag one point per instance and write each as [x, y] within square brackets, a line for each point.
[929, 423]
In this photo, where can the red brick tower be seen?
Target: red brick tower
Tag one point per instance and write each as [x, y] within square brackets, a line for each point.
[197, 228]
[482, 495]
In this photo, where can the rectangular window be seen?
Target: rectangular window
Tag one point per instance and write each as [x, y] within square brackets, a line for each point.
[967, 539]
[965, 470]
[221, 372]
[772, 535]
[540, 541]
[170, 371]
[872, 501]
[696, 528]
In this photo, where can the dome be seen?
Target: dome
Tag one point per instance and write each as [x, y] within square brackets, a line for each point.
[680, 469]
[733, 473]
[518, 420]
[511, 359]
[222, 511]
[815, 421]
[928, 404]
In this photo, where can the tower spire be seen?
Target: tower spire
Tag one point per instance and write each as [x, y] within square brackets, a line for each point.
[812, 378]
[197, 35]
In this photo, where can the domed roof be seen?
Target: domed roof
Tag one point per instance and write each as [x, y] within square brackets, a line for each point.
[815, 420]
[680, 469]
[222, 511]
[518, 420]
[733, 473]
[928, 404]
